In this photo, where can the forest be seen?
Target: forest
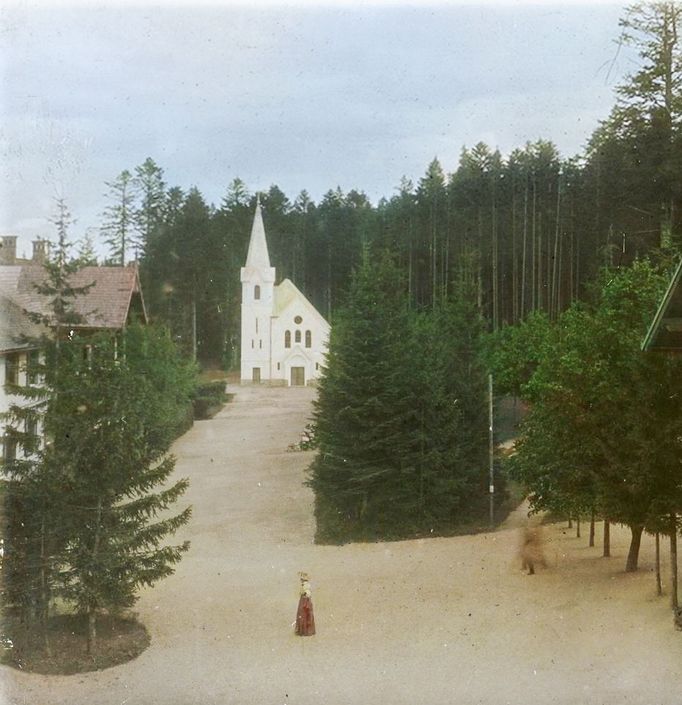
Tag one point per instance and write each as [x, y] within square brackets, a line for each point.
[527, 231]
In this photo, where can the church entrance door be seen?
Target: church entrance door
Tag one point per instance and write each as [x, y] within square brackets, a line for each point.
[298, 376]
[255, 374]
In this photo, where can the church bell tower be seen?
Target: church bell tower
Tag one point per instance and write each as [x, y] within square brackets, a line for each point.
[258, 284]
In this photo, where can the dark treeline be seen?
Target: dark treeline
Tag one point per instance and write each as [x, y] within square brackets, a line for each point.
[528, 232]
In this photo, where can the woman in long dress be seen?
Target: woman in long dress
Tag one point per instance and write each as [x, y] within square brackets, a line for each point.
[305, 620]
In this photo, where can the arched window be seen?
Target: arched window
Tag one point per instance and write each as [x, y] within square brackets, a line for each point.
[287, 339]
[256, 292]
[308, 339]
[297, 336]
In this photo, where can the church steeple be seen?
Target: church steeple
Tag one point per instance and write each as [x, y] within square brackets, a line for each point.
[257, 256]
[258, 301]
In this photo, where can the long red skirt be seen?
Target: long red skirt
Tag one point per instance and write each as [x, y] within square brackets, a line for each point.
[305, 620]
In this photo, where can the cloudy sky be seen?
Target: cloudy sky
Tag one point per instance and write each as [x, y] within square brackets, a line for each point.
[305, 96]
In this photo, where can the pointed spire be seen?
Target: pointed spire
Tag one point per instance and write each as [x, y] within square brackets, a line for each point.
[257, 256]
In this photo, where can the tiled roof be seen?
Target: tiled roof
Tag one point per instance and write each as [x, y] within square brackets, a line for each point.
[106, 304]
[15, 326]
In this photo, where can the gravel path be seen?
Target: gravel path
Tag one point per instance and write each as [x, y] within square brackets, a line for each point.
[442, 621]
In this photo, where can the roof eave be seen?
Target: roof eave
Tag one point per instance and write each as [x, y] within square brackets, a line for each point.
[655, 326]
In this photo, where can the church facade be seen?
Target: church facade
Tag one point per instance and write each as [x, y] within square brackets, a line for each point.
[284, 338]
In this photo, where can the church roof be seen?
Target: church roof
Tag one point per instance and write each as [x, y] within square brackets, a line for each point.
[257, 256]
[285, 293]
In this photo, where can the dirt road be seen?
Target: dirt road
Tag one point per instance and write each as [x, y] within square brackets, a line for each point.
[442, 621]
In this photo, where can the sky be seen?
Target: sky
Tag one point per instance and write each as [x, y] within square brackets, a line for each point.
[306, 96]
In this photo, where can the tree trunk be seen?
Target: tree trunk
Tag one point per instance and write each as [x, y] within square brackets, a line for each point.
[592, 530]
[607, 539]
[673, 562]
[515, 263]
[409, 272]
[194, 324]
[570, 523]
[494, 256]
[633, 553]
[92, 624]
[534, 268]
[577, 527]
[659, 589]
[92, 630]
[44, 592]
[524, 248]
[553, 304]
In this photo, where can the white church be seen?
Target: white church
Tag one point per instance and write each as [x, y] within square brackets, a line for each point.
[284, 338]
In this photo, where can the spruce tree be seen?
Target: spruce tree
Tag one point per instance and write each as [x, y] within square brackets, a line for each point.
[34, 487]
[119, 227]
[150, 186]
[111, 434]
[361, 411]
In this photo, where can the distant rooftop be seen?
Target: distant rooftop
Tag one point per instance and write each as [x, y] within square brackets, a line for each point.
[115, 294]
[665, 332]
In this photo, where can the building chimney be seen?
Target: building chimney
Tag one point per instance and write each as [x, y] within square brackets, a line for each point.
[8, 249]
[39, 251]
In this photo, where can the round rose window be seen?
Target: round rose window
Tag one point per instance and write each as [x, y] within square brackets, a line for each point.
[298, 320]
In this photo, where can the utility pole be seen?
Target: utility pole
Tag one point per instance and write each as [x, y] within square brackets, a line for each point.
[491, 450]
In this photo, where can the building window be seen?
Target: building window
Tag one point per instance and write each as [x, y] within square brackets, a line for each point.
[256, 326]
[298, 320]
[256, 292]
[287, 339]
[31, 428]
[317, 365]
[32, 363]
[278, 366]
[260, 344]
[253, 345]
[297, 336]
[12, 369]
[9, 449]
[308, 339]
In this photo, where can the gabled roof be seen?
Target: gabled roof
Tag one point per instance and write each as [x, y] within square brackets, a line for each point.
[15, 326]
[106, 305]
[286, 293]
[665, 331]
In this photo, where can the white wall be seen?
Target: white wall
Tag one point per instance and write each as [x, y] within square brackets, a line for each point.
[6, 400]
[298, 355]
[256, 315]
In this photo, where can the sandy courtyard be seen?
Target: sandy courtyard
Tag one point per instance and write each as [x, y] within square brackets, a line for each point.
[451, 621]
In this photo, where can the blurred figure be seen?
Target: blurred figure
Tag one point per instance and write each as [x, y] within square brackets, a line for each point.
[305, 620]
[531, 549]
